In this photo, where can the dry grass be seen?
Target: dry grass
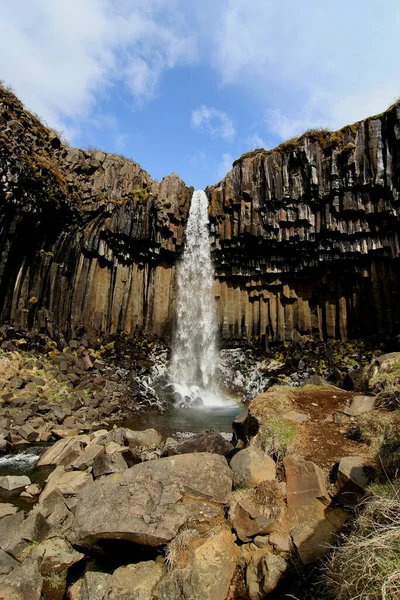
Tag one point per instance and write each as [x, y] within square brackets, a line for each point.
[276, 436]
[376, 427]
[367, 565]
[266, 497]
[179, 546]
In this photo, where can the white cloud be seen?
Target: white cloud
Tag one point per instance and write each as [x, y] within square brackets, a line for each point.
[254, 141]
[214, 122]
[60, 57]
[225, 165]
[308, 62]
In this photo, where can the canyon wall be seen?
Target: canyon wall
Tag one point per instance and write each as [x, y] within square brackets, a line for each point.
[305, 237]
[87, 239]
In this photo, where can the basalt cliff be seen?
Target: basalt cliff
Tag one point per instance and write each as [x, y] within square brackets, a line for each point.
[305, 236]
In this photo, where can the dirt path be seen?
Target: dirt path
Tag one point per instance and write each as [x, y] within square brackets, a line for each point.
[324, 438]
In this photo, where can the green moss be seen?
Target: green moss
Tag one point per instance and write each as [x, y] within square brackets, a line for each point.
[276, 436]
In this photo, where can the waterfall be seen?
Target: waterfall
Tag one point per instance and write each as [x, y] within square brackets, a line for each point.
[194, 356]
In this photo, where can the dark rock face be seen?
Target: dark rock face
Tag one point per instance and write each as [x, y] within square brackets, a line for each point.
[303, 235]
[306, 235]
[87, 238]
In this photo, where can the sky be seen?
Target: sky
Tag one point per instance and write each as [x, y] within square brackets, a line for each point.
[187, 87]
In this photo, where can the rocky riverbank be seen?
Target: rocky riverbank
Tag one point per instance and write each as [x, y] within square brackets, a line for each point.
[50, 388]
[123, 516]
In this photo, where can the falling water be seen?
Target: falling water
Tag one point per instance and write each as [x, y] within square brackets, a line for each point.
[194, 356]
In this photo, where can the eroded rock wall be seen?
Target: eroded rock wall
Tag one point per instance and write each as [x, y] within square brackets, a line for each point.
[307, 235]
[88, 239]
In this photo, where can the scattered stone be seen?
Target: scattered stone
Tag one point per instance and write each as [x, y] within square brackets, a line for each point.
[280, 540]
[352, 479]
[251, 466]
[136, 581]
[17, 383]
[28, 433]
[7, 564]
[261, 540]
[14, 482]
[7, 509]
[108, 463]
[307, 495]
[360, 405]
[264, 573]
[85, 460]
[207, 574]
[206, 441]
[150, 438]
[34, 489]
[296, 416]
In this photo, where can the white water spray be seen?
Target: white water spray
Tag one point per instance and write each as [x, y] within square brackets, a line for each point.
[194, 356]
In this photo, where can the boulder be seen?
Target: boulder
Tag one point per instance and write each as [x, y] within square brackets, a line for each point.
[93, 586]
[251, 466]
[150, 502]
[280, 540]
[23, 583]
[8, 526]
[264, 573]
[306, 491]
[314, 539]
[248, 521]
[256, 511]
[7, 509]
[108, 463]
[28, 433]
[57, 511]
[360, 405]
[206, 441]
[54, 556]
[32, 529]
[67, 482]
[7, 563]
[207, 573]
[150, 438]
[86, 458]
[64, 451]
[244, 427]
[135, 581]
[352, 479]
[14, 482]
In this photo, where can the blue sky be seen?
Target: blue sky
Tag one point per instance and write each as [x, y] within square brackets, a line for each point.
[188, 87]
